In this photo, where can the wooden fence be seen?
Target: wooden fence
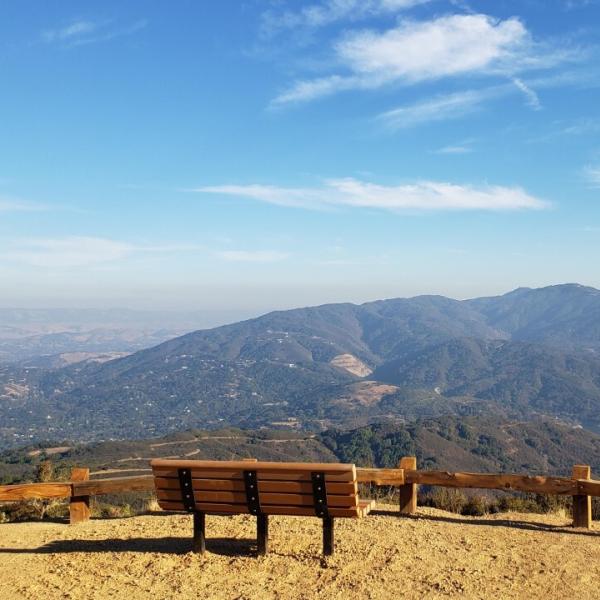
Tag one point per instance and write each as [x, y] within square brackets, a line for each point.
[406, 477]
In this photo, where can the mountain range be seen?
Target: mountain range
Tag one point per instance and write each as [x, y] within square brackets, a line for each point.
[529, 353]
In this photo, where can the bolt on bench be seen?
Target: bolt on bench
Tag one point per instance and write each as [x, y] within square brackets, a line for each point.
[201, 487]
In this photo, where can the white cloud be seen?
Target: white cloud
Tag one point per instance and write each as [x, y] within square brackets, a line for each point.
[592, 174]
[427, 50]
[74, 30]
[82, 32]
[413, 51]
[303, 91]
[331, 11]
[454, 149]
[457, 104]
[530, 95]
[252, 255]
[422, 196]
[439, 108]
[418, 51]
[297, 197]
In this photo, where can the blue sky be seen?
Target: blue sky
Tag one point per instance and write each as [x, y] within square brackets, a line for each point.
[267, 154]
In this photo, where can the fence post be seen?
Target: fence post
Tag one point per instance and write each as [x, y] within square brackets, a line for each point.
[79, 506]
[582, 505]
[408, 491]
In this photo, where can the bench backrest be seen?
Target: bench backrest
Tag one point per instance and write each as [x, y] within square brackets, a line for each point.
[220, 487]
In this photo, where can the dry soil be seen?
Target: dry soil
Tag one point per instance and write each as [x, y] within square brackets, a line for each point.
[430, 555]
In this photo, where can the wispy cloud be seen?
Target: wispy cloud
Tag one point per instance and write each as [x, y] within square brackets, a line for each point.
[67, 252]
[260, 256]
[417, 51]
[459, 104]
[582, 126]
[422, 196]
[82, 251]
[530, 96]
[454, 149]
[574, 4]
[592, 175]
[81, 32]
[381, 259]
[331, 11]
[76, 29]
[8, 204]
[439, 108]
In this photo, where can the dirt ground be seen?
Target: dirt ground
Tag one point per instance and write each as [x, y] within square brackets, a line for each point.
[431, 555]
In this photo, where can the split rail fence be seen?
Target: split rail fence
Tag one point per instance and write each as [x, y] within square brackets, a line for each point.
[406, 477]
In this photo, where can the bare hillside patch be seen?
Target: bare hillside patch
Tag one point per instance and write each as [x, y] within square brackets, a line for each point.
[353, 365]
[364, 393]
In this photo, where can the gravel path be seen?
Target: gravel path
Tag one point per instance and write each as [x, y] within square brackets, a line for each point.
[432, 555]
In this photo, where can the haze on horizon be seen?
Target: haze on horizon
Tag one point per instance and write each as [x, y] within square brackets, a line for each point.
[250, 156]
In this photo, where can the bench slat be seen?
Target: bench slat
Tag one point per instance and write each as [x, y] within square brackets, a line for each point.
[217, 485]
[272, 475]
[237, 485]
[159, 463]
[215, 508]
[265, 498]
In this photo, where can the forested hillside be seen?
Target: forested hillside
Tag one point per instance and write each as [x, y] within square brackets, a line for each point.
[484, 444]
[527, 353]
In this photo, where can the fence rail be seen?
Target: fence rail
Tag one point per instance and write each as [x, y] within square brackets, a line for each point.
[406, 477]
[30, 491]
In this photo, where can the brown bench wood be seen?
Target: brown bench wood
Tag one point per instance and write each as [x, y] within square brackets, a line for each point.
[324, 490]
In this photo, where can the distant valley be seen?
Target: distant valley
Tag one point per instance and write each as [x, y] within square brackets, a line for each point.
[53, 338]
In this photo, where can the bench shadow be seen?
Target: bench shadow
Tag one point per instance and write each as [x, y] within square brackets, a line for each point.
[515, 524]
[168, 545]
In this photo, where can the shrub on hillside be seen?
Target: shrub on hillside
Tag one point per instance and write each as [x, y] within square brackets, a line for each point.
[37, 510]
[448, 499]
[476, 506]
[127, 504]
[508, 503]
[104, 510]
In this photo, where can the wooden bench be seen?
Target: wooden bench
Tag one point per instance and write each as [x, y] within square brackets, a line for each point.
[324, 490]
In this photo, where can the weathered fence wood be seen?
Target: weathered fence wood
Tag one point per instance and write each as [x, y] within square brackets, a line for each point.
[521, 483]
[79, 505]
[582, 504]
[588, 487]
[393, 477]
[114, 485]
[408, 491]
[31, 491]
[406, 478]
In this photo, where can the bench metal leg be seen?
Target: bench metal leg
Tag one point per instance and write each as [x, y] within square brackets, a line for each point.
[199, 545]
[328, 536]
[262, 534]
